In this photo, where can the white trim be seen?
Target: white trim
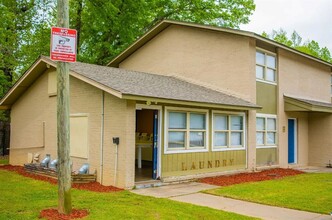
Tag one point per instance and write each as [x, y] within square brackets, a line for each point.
[184, 151]
[186, 110]
[160, 112]
[229, 148]
[267, 82]
[267, 146]
[265, 67]
[266, 116]
[295, 140]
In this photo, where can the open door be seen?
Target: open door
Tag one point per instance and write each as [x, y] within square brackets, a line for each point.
[155, 144]
[147, 144]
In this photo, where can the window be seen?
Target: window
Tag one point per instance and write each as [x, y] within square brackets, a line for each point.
[266, 130]
[265, 67]
[228, 131]
[186, 130]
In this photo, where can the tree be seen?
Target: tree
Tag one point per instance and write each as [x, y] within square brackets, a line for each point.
[107, 27]
[16, 18]
[310, 47]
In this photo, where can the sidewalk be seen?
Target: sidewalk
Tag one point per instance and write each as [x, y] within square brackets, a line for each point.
[189, 193]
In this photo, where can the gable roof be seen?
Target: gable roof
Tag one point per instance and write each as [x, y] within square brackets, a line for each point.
[166, 23]
[132, 85]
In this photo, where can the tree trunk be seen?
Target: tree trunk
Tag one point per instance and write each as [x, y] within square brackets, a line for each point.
[78, 23]
[63, 129]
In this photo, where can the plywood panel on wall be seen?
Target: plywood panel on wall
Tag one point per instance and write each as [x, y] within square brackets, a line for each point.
[79, 136]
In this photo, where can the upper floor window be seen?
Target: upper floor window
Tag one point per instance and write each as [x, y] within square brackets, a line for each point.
[265, 67]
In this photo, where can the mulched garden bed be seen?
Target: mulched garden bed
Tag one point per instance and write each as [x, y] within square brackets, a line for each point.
[271, 174]
[53, 214]
[93, 186]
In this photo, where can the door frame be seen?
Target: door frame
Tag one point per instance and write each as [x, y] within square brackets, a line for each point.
[159, 108]
[295, 141]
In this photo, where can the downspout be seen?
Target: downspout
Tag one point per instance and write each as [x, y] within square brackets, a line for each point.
[115, 163]
[102, 137]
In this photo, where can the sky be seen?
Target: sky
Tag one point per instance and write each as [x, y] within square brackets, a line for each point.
[311, 19]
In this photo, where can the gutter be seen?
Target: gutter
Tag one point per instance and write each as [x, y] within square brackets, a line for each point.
[102, 136]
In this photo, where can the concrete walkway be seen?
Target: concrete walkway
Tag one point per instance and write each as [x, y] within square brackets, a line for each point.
[189, 193]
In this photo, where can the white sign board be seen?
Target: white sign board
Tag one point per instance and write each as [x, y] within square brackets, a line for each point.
[63, 44]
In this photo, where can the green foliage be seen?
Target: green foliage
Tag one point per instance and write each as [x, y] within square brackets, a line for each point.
[313, 194]
[105, 28]
[108, 27]
[24, 198]
[4, 161]
[310, 47]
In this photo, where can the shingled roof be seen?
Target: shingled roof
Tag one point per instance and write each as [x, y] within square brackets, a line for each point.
[309, 105]
[156, 86]
[126, 82]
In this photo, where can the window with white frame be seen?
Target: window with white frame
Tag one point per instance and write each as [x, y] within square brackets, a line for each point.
[228, 131]
[266, 67]
[266, 130]
[186, 130]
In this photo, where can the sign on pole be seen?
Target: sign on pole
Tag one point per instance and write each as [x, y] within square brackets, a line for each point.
[63, 44]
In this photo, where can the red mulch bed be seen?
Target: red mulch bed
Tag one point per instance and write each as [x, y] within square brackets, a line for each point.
[94, 186]
[250, 177]
[53, 214]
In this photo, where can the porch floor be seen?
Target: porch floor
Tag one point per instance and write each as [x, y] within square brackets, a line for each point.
[144, 173]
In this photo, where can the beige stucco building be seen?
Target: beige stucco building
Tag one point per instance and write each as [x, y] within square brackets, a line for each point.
[185, 101]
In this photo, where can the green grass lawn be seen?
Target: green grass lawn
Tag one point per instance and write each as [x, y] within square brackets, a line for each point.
[4, 161]
[308, 192]
[24, 198]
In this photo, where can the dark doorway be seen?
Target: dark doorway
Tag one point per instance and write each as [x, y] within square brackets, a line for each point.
[146, 145]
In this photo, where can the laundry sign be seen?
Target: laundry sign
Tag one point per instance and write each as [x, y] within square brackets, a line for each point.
[63, 44]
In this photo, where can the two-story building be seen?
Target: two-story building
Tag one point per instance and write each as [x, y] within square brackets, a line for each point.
[186, 101]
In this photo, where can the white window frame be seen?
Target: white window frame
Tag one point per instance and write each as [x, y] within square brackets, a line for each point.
[229, 147]
[187, 149]
[268, 116]
[265, 52]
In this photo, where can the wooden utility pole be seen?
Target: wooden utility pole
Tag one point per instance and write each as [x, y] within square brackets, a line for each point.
[63, 128]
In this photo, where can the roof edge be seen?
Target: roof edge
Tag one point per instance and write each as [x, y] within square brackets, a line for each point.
[20, 80]
[190, 103]
[301, 105]
[162, 25]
